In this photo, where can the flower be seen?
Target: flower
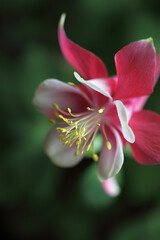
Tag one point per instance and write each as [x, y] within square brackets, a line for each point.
[111, 105]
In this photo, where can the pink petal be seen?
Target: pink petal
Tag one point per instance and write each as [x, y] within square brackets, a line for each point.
[110, 161]
[62, 94]
[135, 104]
[111, 187]
[60, 155]
[146, 127]
[85, 62]
[135, 64]
[157, 67]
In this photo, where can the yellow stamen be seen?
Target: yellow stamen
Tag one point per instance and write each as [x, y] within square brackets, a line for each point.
[78, 141]
[95, 157]
[73, 115]
[61, 138]
[52, 121]
[71, 83]
[79, 134]
[81, 130]
[101, 110]
[65, 143]
[60, 116]
[91, 141]
[61, 129]
[76, 125]
[108, 145]
[59, 110]
[55, 106]
[65, 119]
[69, 110]
[88, 147]
[77, 153]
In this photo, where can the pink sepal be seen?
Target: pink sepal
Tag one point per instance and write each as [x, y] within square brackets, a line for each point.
[146, 127]
[135, 64]
[82, 60]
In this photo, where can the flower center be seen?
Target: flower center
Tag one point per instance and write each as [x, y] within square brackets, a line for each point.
[80, 129]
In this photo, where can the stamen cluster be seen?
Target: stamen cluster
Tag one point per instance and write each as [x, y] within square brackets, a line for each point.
[80, 129]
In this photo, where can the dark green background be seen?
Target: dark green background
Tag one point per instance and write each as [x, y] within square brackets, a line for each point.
[37, 199]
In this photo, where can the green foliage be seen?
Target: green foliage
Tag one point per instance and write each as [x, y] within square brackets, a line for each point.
[91, 190]
[146, 227]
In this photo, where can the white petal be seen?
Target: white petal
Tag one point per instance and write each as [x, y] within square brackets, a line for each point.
[64, 95]
[59, 154]
[122, 114]
[110, 161]
[99, 87]
[111, 187]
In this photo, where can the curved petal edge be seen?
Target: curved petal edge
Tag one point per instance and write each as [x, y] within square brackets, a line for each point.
[85, 62]
[110, 161]
[123, 117]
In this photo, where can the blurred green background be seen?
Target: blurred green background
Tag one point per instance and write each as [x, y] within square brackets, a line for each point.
[37, 199]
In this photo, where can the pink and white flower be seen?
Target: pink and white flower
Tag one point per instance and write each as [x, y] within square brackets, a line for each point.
[110, 105]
